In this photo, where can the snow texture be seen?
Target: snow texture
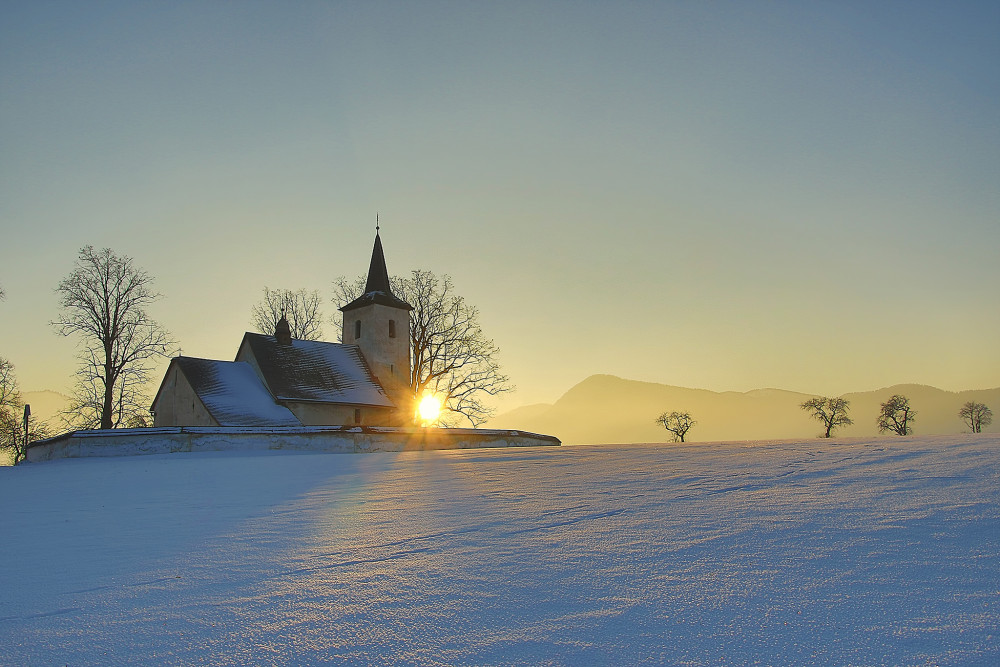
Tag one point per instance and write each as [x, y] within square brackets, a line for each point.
[861, 552]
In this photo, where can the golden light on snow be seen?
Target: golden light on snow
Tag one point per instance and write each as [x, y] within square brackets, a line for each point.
[429, 409]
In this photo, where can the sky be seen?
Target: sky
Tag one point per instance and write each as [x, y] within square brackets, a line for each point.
[723, 195]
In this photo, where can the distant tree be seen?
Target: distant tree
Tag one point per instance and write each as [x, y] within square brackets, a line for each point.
[10, 407]
[896, 416]
[12, 436]
[9, 397]
[678, 423]
[300, 309]
[104, 301]
[976, 416]
[832, 412]
[450, 355]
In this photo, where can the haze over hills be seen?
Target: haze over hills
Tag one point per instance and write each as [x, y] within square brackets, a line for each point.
[609, 409]
[46, 405]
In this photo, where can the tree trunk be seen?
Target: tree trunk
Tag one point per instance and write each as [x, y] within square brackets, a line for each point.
[109, 397]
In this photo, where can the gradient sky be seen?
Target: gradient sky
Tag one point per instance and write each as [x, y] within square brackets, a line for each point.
[707, 194]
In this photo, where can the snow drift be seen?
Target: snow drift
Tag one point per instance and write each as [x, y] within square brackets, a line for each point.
[877, 551]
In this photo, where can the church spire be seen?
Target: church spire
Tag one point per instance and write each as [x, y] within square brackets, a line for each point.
[378, 323]
[377, 287]
[378, 275]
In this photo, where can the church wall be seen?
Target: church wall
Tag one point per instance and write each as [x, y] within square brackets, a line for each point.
[325, 414]
[178, 404]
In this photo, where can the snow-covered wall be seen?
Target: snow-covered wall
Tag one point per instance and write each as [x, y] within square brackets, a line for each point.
[131, 442]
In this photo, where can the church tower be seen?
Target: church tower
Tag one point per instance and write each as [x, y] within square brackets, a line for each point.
[379, 323]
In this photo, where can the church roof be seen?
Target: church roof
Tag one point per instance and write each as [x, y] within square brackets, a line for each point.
[312, 370]
[377, 288]
[232, 393]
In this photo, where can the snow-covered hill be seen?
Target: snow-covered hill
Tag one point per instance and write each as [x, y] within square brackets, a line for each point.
[879, 551]
[883, 551]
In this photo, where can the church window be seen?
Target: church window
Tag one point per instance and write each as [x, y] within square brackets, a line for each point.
[392, 328]
[357, 329]
[357, 415]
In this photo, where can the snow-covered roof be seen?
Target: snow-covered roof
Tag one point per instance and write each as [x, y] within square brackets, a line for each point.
[312, 370]
[233, 394]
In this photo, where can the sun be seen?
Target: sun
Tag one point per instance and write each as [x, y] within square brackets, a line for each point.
[429, 409]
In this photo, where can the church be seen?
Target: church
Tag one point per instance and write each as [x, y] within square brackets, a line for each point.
[280, 393]
[280, 381]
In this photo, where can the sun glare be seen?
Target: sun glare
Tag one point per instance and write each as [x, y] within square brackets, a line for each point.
[429, 409]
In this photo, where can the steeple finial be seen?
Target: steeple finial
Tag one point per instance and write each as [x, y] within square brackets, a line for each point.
[376, 223]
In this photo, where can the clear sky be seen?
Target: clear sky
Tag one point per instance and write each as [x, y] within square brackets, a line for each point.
[707, 194]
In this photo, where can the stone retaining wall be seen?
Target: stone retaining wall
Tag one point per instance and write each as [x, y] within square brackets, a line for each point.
[132, 442]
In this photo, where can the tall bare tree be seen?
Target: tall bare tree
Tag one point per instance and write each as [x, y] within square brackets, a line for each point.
[832, 412]
[450, 355]
[13, 439]
[10, 398]
[678, 423]
[896, 416]
[104, 301]
[976, 416]
[10, 406]
[300, 308]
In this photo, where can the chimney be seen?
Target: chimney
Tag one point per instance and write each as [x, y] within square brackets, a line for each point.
[283, 332]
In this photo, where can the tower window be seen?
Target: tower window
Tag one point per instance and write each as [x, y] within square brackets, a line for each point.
[357, 329]
[357, 415]
[392, 328]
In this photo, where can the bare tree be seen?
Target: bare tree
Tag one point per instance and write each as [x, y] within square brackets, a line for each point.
[299, 308]
[10, 405]
[450, 355]
[13, 439]
[832, 412]
[10, 396]
[896, 416]
[976, 416]
[678, 423]
[104, 301]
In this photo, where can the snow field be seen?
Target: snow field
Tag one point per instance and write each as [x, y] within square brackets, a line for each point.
[863, 552]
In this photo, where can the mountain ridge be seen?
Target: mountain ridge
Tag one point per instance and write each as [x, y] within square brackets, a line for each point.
[47, 405]
[607, 409]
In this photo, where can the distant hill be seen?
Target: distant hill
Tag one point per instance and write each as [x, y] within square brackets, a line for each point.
[609, 409]
[46, 405]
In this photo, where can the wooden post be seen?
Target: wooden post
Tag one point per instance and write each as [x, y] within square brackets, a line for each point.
[27, 413]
